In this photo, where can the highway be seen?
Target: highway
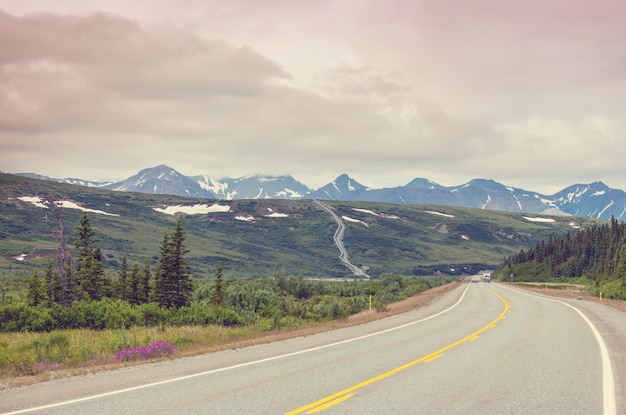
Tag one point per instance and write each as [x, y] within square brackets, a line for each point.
[338, 238]
[483, 348]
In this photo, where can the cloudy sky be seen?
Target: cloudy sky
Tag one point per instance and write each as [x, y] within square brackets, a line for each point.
[530, 93]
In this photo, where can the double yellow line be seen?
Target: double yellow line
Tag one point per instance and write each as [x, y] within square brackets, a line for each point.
[345, 394]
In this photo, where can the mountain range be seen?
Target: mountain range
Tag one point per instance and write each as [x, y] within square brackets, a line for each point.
[594, 199]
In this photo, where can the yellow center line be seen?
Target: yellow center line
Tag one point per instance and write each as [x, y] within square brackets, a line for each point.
[331, 403]
[336, 397]
[433, 358]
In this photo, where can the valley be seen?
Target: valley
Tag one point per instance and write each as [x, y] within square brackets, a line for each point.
[266, 237]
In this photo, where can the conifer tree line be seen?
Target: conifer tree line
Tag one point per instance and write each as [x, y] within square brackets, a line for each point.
[67, 280]
[597, 254]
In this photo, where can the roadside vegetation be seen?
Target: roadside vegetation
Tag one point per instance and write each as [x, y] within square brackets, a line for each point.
[73, 314]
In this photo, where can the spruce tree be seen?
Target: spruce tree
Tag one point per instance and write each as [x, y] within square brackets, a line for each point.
[122, 279]
[91, 275]
[172, 283]
[217, 295]
[161, 289]
[36, 293]
[143, 293]
[183, 284]
[85, 236]
[134, 285]
[89, 271]
[53, 284]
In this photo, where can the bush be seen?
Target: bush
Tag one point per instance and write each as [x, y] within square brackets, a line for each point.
[614, 290]
[202, 315]
[22, 317]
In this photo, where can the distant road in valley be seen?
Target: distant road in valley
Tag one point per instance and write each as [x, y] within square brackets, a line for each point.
[483, 348]
[338, 238]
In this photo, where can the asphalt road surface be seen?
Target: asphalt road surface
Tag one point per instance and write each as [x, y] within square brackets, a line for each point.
[484, 348]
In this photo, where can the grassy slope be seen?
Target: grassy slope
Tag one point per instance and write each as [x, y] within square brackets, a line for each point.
[417, 241]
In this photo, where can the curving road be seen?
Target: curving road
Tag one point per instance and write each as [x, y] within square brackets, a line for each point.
[481, 349]
[338, 238]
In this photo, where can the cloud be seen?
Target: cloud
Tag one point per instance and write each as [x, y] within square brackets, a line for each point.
[79, 72]
[384, 90]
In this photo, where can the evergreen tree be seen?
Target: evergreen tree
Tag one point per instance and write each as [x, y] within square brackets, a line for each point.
[90, 275]
[36, 293]
[72, 290]
[217, 295]
[161, 289]
[122, 279]
[134, 285]
[172, 283]
[143, 292]
[85, 236]
[54, 287]
[598, 253]
[90, 271]
[183, 284]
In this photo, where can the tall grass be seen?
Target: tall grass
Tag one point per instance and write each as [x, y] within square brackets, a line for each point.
[36, 354]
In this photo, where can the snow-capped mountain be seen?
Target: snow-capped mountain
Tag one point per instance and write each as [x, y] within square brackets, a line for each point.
[254, 187]
[595, 200]
[342, 188]
[161, 180]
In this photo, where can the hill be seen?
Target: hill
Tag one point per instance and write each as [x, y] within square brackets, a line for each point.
[267, 236]
[596, 199]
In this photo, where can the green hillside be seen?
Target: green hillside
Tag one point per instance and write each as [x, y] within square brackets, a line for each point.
[267, 237]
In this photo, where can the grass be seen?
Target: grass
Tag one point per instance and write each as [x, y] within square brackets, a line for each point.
[32, 357]
[27, 358]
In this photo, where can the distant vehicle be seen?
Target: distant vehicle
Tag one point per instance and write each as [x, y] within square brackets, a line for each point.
[486, 278]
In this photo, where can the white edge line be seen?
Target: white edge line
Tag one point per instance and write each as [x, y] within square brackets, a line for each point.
[223, 369]
[608, 381]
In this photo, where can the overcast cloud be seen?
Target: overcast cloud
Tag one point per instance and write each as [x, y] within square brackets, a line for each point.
[529, 93]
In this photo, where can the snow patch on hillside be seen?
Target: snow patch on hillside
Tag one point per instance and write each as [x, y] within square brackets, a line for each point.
[41, 203]
[37, 201]
[20, 257]
[246, 218]
[349, 219]
[447, 215]
[535, 219]
[198, 209]
[371, 212]
[277, 215]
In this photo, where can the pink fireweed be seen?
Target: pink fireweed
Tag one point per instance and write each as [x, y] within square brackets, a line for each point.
[156, 349]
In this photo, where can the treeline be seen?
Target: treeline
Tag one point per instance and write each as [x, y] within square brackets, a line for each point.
[78, 294]
[596, 255]
[66, 280]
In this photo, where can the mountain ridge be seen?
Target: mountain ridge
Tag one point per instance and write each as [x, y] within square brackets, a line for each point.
[595, 199]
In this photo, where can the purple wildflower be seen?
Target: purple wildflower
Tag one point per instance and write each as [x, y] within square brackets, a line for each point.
[156, 349]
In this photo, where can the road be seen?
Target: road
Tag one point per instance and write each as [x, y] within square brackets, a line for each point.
[338, 238]
[481, 349]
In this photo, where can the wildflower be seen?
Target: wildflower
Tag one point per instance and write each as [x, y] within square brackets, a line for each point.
[155, 349]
